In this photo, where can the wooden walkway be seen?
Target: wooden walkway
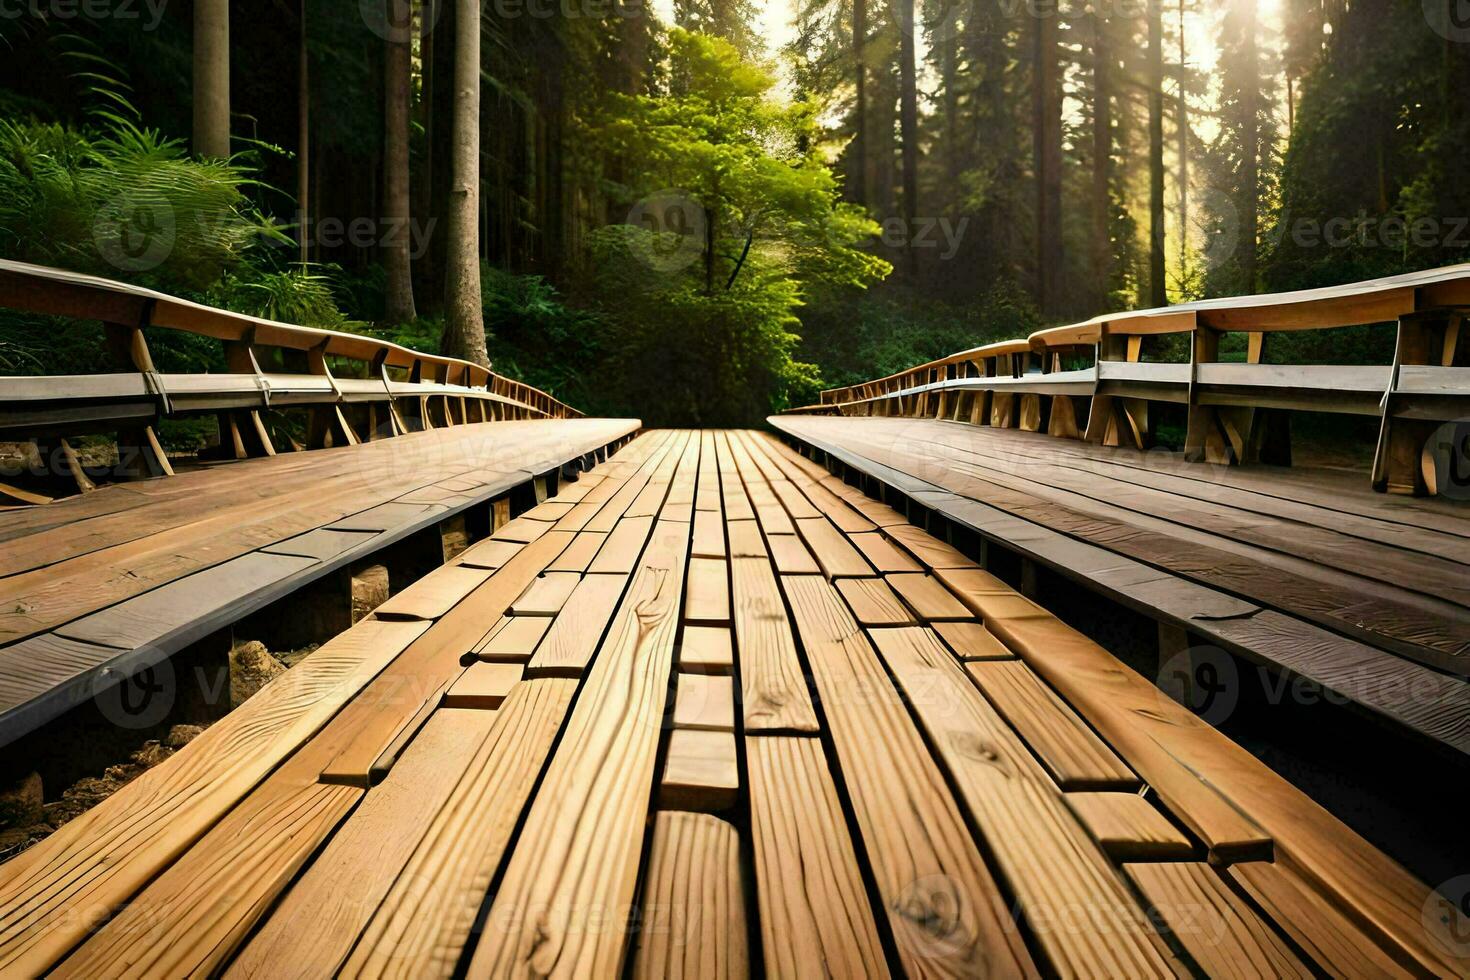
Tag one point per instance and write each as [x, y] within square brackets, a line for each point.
[705, 712]
[114, 580]
[1305, 570]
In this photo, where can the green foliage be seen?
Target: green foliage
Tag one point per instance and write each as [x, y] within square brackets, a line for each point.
[858, 337]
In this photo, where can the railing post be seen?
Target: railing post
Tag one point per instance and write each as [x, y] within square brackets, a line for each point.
[1400, 464]
[139, 453]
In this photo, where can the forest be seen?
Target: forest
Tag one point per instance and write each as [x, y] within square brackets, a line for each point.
[701, 211]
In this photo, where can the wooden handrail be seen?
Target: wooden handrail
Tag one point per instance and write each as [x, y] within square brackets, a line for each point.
[1234, 409]
[438, 391]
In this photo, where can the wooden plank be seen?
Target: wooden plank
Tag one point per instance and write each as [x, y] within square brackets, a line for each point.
[572, 640]
[546, 595]
[522, 529]
[834, 553]
[791, 557]
[426, 917]
[320, 917]
[700, 771]
[1315, 923]
[745, 540]
[483, 685]
[435, 594]
[513, 639]
[1222, 933]
[709, 535]
[814, 913]
[1076, 758]
[928, 597]
[707, 595]
[693, 921]
[972, 641]
[489, 553]
[153, 615]
[1129, 827]
[579, 850]
[873, 603]
[773, 691]
[930, 551]
[397, 698]
[706, 650]
[579, 554]
[705, 702]
[944, 908]
[321, 544]
[102, 858]
[619, 555]
[883, 554]
[1038, 844]
[193, 916]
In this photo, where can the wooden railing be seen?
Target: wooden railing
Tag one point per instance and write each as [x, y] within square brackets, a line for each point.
[1091, 380]
[353, 388]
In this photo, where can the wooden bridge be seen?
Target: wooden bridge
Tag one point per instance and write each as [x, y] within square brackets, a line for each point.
[696, 704]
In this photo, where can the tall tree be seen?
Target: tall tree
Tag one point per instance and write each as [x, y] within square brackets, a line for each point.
[1046, 112]
[1102, 160]
[1250, 164]
[464, 316]
[303, 141]
[857, 180]
[908, 125]
[1182, 125]
[1157, 294]
[396, 210]
[212, 78]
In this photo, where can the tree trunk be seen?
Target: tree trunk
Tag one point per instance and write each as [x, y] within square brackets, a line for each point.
[857, 180]
[1046, 104]
[212, 78]
[397, 86]
[1157, 292]
[949, 87]
[303, 144]
[1102, 160]
[464, 318]
[1183, 124]
[1250, 151]
[908, 125]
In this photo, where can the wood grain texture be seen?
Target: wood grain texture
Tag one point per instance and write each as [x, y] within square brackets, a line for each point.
[1076, 758]
[693, 907]
[791, 556]
[1316, 924]
[1213, 924]
[884, 555]
[1129, 827]
[706, 650]
[101, 859]
[1039, 845]
[435, 594]
[707, 593]
[700, 771]
[939, 897]
[704, 701]
[774, 695]
[579, 553]
[315, 925]
[579, 850]
[546, 595]
[972, 641]
[424, 921]
[489, 553]
[573, 637]
[874, 603]
[814, 914]
[483, 685]
[927, 596]
[619, 554]
[513, 639]
[397, 699]
[834, 553]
